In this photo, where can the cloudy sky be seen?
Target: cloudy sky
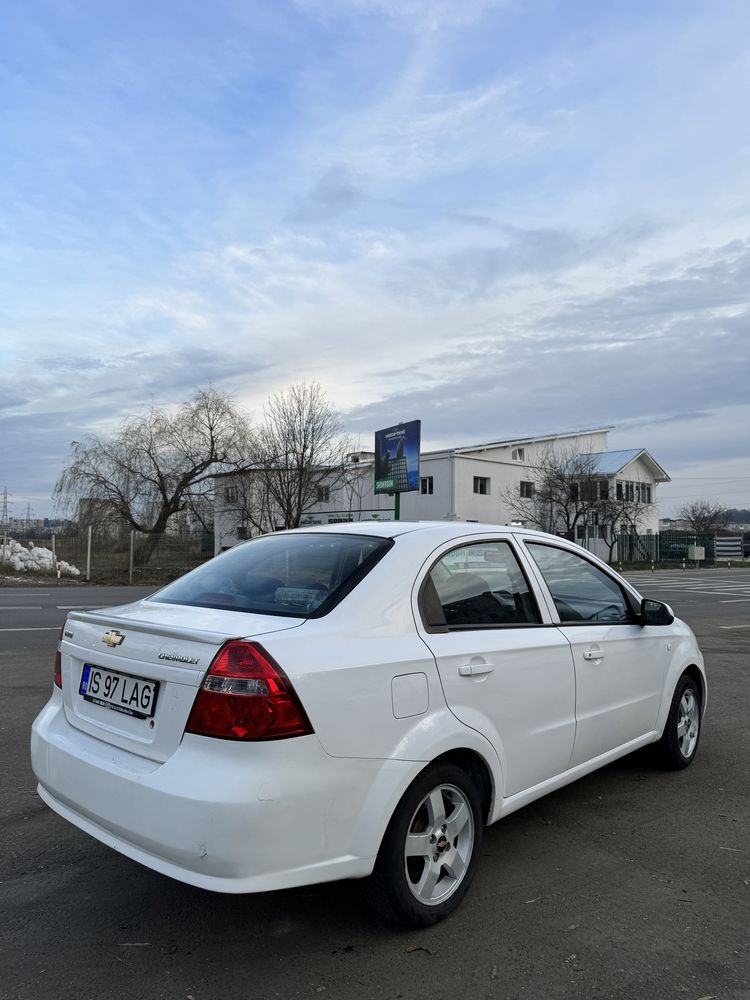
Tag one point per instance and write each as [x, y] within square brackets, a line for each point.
[499, 217]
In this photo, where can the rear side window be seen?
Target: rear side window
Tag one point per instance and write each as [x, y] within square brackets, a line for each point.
[302, 576]
[581, 591]
[477, 586]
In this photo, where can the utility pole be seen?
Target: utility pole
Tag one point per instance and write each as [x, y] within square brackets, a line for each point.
[4, 513]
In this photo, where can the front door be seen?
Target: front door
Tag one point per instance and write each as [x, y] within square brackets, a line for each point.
[619, 664]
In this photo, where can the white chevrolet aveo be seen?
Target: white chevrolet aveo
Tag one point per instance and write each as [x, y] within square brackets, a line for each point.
[358, 700]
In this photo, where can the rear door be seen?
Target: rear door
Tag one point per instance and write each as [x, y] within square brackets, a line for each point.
[506, 671]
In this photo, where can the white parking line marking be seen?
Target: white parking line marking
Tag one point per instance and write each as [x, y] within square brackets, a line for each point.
[38, 628]
[734, 626]
[739, 600]
[20, 607]
[80, 607]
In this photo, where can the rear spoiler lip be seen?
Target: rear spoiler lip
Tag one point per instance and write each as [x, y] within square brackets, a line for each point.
[165, 631]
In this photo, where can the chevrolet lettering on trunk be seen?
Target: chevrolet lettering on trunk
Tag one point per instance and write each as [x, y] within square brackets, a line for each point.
[178, 658]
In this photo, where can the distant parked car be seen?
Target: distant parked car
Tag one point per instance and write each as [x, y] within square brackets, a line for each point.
[359, 700]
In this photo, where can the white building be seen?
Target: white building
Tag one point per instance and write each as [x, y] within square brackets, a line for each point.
[471, 484]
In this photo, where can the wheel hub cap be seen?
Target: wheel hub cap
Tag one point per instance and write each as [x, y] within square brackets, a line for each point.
[439, 844]
[688, 723]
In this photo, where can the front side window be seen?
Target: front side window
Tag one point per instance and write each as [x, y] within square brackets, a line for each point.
[297, 575]
[477, 586]
[581, 591]
[482, 485]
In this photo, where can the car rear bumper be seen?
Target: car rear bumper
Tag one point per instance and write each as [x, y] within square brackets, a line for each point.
[222, 815]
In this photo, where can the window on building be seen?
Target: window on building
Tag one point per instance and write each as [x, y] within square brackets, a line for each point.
[230, 494]
[604, 490]
[527, 489]
[324, 493]
[425, 485]
[634, 492]
[482, 485]
[518, 455]
[589, 490]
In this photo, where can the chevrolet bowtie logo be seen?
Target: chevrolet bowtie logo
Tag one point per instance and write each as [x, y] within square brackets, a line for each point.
[113, 638]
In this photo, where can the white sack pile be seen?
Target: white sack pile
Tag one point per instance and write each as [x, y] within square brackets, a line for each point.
[32, 559]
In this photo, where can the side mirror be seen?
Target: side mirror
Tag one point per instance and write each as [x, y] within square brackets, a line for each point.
[655, 613]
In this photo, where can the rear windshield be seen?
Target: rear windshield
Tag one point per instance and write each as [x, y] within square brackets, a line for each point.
[302, 576]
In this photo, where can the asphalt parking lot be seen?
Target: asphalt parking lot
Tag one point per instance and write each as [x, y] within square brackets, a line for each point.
[631, 884]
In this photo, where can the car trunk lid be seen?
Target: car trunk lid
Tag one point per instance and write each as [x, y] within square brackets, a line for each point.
[130, 674]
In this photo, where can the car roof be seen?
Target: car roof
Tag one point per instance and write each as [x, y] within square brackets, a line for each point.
[440, 530]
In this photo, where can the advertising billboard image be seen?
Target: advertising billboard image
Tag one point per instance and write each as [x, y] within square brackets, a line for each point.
[397, 458]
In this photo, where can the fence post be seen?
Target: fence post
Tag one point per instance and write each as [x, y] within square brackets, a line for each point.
[88, 555]
[54, 553]
[130, 571]
[5, 546]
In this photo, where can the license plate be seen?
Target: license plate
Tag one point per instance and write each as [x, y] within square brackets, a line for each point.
[120, 692]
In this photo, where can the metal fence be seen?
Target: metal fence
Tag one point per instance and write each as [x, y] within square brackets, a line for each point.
[121, 557]
[678, 547]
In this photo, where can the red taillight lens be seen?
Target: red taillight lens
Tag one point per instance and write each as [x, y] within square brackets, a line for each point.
[247, 696]
[58, 659]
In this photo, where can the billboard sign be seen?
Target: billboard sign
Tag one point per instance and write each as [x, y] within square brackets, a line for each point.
[397, 458]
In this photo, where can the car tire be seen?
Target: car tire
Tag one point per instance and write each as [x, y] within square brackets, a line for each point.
[431, 848]
[679, 742]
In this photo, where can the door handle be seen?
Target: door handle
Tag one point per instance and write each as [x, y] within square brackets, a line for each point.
[475, 669]
[593, 654]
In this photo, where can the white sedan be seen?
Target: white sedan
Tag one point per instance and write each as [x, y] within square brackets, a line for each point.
[358, 700]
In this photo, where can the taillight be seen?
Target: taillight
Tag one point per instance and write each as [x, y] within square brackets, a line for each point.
[58, 659]
[247, 696]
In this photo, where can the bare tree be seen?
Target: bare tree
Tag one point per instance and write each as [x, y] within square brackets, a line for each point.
[563, 491]
[301, 455]
[158, 464]
[704, 516]
[354, 485]
[560, 492]
[248, 502]
[619, 515]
